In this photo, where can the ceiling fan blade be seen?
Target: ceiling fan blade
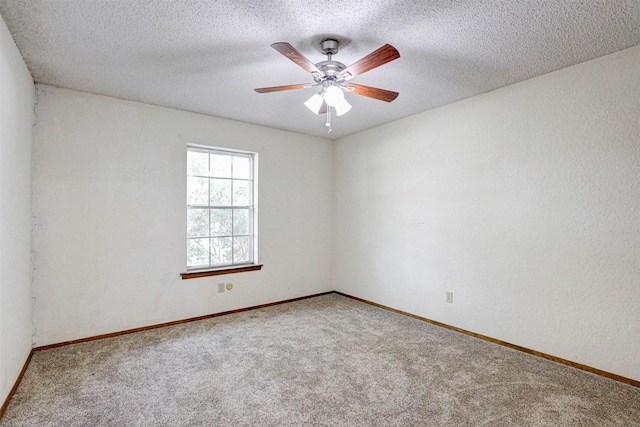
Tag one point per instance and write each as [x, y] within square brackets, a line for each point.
[386, 53]
[281, 88]
[373, 92]
[293, 54]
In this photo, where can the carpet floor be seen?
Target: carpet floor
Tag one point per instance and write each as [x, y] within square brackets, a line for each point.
[323, 361]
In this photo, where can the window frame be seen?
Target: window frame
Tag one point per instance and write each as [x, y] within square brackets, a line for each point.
[212, 268]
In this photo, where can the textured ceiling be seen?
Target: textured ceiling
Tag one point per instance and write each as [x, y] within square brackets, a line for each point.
[207, 56]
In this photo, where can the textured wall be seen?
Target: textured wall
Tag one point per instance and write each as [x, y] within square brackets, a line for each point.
[108, 204]
[524, 202]
[16, 120]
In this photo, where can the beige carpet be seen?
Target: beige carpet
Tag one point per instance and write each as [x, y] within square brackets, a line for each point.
[326, 361]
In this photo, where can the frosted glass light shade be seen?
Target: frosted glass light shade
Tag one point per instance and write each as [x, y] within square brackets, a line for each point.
[333, 96]
[314, 103]
[342, 107]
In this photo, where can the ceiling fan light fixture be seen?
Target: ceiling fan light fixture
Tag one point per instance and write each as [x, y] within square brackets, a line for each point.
[314, 103]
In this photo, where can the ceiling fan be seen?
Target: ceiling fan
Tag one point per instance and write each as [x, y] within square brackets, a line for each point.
[331, 77]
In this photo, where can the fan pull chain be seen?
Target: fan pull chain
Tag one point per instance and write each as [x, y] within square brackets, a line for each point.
[328, 124]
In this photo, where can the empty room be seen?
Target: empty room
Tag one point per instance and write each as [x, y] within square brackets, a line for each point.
[377, 213]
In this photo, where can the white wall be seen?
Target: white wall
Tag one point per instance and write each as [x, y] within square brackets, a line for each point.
[108, 204]
[16, 120]
[524, 202]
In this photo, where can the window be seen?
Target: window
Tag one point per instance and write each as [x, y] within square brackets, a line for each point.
[220, 208]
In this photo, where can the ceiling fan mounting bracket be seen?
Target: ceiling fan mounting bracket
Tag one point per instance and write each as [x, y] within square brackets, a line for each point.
[329, 47]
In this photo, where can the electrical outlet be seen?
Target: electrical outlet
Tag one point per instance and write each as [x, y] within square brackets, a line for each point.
[220, 288]
[229, 286]
[450, 297]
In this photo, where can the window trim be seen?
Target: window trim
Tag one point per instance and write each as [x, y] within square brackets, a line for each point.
[252, 265]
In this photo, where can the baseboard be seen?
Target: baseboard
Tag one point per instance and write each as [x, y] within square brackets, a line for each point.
[15, 385]
[175, 322]
[556, 359]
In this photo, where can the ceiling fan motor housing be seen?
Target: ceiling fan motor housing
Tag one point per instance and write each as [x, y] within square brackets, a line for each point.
[330, 68]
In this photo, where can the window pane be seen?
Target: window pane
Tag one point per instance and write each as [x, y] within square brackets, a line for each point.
[240, 221]
[197, 191]
[221, 222]
[197, 252]
[241, 167]
[220, 192]
[241, 194]
[221, 250]
[197, 163]
[221, 166]
[241, 249]
[198, 223]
